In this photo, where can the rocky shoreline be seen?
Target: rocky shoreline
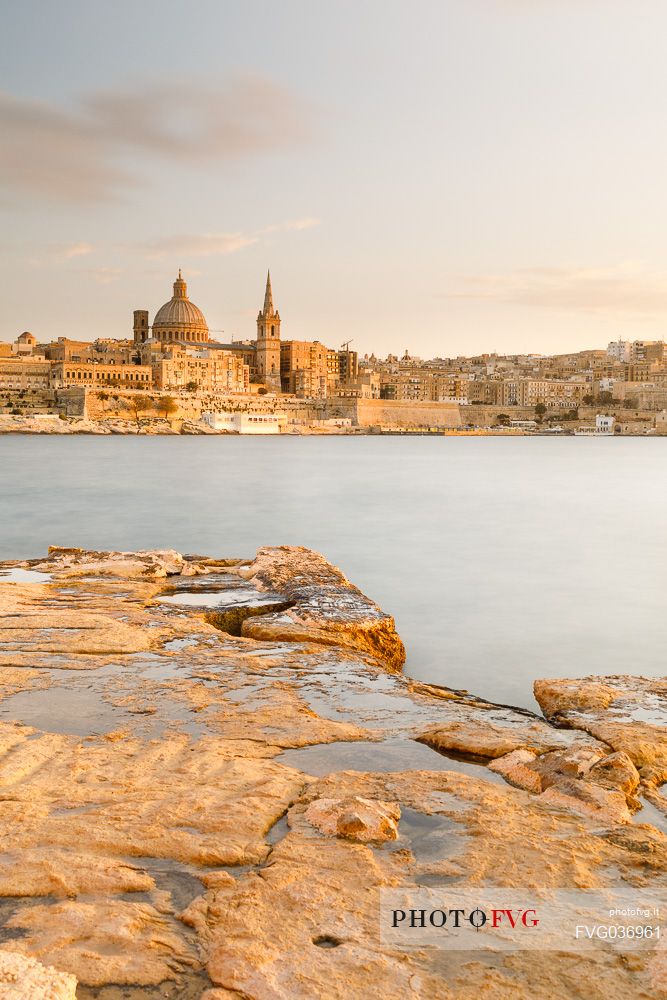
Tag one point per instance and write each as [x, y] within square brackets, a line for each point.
[51, 424]
[211, 767]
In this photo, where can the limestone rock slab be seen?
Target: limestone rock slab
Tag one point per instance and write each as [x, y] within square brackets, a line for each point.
[355, 818]
[24, 978]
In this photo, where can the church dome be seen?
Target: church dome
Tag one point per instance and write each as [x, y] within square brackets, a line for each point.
[179, 319]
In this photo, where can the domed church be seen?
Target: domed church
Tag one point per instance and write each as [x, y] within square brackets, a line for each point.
[177, 320]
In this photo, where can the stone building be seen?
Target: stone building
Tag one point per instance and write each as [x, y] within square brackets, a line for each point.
[176, 352]
[181, 322]
[204, 370]
[301, 368]
[304, 368]
[647, 350]
[25, 373]
[342, 369]
[64, 349]
[97, 375]
[348, 364]
[269, 356]
[417, 384]
[333, 370]
[25, 344]
[364, 386]
[552, 393]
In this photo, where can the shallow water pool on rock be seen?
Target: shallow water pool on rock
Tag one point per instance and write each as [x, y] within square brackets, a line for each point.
[223, 596]
[61, 710]
[430, 836]
[385, 756]
[85, 708]
[18, 575]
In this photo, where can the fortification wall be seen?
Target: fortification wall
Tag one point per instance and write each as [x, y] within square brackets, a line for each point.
[392, 414]
[118, 403]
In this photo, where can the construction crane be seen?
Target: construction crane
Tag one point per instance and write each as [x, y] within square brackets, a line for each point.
[346, 345]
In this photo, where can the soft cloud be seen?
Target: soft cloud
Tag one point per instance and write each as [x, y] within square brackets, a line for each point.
[81, 154]
[195, 245]
[49, 152]
[77, 250]
[626, 288]
[187, 245]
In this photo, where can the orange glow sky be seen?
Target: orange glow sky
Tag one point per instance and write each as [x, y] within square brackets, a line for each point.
[451, 176]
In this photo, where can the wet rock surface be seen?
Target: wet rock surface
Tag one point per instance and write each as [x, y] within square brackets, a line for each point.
[326, 608]
[365, 821]
[196, 801]
[628, 714]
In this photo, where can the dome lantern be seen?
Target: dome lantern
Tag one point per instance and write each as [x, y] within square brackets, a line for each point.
[180, 287]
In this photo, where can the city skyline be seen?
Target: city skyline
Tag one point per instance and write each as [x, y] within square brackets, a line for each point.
[476, 177]
[218, 335]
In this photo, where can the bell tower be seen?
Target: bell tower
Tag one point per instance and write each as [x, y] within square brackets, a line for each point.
[140, 326]
[268, 341]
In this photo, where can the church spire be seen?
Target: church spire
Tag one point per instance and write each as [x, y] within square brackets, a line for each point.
[268, 296]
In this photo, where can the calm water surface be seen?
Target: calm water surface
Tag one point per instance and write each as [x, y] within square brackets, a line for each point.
[502, 559]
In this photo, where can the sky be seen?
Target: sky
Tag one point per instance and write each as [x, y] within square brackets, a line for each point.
[444, 176]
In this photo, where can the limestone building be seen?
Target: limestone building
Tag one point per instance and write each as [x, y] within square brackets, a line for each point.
[26, 344]
[303, 368]
[206, 370]
[98, 375]
[268, 341]
[25, 373]
[176, 353]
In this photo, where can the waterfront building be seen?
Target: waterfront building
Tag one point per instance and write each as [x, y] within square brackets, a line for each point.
[248, 422]
[604, 427]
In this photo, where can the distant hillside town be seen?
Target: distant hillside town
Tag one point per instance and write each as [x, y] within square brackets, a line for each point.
[182, 373]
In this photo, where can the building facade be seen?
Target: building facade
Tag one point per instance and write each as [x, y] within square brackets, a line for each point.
[25, 373]
[304, 368]
[98, 376]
